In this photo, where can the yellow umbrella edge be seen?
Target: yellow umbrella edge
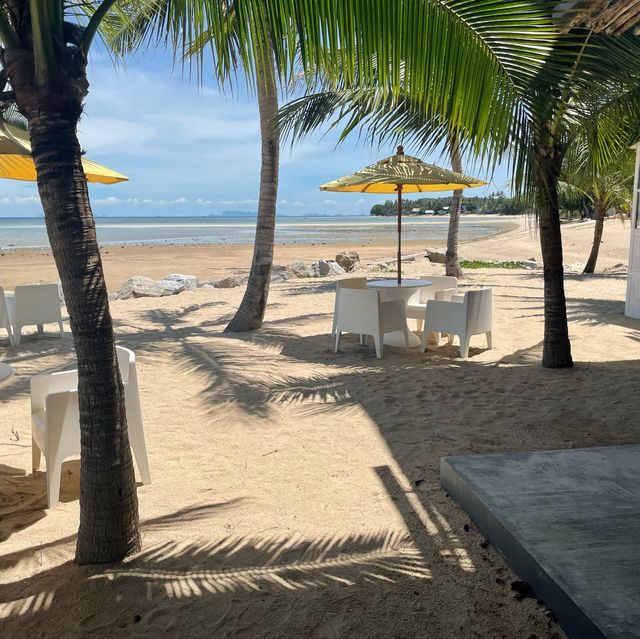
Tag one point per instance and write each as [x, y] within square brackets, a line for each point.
[406, 188]
[21, 167]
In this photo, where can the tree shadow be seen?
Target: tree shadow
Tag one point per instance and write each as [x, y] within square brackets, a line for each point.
[264, 585]
[23, 499]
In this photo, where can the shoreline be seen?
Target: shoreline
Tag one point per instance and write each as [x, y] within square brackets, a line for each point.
[346, 223]
[516, 241]
[210, 260]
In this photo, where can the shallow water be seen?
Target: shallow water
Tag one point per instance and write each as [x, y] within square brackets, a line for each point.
[31, 232]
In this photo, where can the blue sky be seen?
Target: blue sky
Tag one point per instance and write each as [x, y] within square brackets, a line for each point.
[195, 150]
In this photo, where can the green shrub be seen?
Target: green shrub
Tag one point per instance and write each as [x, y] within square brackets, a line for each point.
[471, 264]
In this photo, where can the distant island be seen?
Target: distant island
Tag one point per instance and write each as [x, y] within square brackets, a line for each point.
[239, 213]
[495, 203]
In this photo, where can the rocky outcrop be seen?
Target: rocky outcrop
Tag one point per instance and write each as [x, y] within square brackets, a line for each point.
[229, 282]
[348, 260]
[141, 286]
[189, 282]
[298, 268]
[437, 257]
[322, 268]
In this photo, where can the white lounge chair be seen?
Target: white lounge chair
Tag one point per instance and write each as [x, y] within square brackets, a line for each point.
[5, 322]
[37, 305]
[362, 312]
[55, 427]
[351, 282]
[466, 314]
[417, 303]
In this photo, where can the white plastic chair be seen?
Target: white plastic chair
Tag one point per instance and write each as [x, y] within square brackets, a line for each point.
[5, 322]
[417, 303]
[467, 314]
[362, 312]
[36, 304]
[55, 421]
[351, 282]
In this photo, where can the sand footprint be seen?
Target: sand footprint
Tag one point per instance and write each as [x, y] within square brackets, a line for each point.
[162, 617]
[100, 620]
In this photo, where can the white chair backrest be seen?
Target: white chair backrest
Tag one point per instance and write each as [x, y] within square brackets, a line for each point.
[4, 313]
[352, 282]
[358, 310]
[438, 283]
[126, 362]
[478, 304]
[37, 304]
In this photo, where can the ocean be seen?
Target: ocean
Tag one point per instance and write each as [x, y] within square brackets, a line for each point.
[31, 232]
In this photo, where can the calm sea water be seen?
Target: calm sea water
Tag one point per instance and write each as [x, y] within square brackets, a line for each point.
[30, 232]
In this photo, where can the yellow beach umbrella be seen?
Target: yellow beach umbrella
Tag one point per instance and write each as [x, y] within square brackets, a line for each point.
[400, 174]
[16, 162]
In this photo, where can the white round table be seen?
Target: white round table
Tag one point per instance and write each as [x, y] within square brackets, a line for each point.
[5, 371]
[392, 290]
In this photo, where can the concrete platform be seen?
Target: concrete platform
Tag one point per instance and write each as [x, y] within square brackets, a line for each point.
[568, 523]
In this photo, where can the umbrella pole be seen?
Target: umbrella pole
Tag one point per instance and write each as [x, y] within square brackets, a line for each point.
[399, 189]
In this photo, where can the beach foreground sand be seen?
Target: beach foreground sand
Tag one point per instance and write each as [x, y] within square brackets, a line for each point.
[296, 491]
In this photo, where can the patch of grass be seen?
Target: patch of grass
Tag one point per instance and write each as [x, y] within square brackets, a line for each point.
[471, 264]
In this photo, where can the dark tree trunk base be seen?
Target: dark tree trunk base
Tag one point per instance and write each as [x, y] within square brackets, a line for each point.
[556, 351]
[600, 210]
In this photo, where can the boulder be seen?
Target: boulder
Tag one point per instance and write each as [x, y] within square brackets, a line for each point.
[438, 257]
[141, 286]
[336, 269]
[190, 282]
[319, 268]
[313, 270]
[323, 267]
[530, 264]
[298, 268]
[169, 287]
[348, 260]
[280, 273]
[229, 282]
[378, 267]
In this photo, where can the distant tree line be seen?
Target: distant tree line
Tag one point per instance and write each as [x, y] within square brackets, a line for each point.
[495, 203]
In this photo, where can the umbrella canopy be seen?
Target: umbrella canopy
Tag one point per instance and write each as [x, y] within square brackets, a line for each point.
[16, 162]
[400, 174]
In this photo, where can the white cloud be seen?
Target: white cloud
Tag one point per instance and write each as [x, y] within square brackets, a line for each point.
[236, 202]
[18, 199]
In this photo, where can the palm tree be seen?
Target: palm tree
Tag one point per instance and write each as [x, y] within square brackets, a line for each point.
[136, 26]
[250, 313]
[603, 187]
[44, 57]
[452, 263]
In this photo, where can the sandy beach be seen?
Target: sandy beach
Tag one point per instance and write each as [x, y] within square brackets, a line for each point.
[295, 492]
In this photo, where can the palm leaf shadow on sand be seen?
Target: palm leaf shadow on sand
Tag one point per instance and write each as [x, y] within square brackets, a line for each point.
[214, 575]
[226, 575]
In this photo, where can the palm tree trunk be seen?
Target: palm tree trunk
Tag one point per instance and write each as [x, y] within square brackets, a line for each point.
[600, 209]
[452, 264]
[108, 501]
[252, 308]
[556, 352]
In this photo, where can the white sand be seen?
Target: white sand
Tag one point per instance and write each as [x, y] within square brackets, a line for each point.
[295, 491]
